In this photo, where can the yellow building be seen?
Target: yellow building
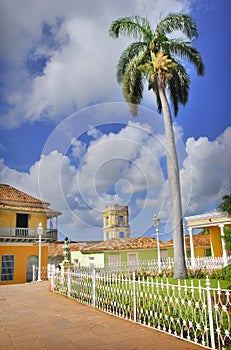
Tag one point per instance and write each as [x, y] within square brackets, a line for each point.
[116, 222]
[215, 222]
[27, 226]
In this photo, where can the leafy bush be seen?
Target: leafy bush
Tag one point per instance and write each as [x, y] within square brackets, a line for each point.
[197, 273]
[225, 273]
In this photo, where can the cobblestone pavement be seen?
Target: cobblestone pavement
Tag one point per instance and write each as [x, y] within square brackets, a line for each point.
[32, 317]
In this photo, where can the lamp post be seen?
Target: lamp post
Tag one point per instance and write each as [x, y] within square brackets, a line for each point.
[40, 232]
[156, 222]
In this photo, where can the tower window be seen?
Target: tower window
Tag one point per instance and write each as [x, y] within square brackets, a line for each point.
[121, 220]
[121, 234]
[107, 235]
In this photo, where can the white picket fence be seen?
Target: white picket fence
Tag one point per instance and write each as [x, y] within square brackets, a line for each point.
[195, 313]
[203, 263]
[46, 272]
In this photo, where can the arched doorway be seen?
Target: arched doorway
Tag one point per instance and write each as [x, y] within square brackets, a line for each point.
[31, 260]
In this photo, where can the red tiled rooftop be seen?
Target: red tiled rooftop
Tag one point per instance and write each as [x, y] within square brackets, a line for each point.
[56, 248]
[199, 240]
[124, 244]
[14, 199]
[11, 194]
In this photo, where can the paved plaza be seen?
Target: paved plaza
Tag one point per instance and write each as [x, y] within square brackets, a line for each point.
[32, 317]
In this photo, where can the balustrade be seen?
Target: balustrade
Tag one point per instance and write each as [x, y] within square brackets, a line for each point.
[18, 232]
[203, 263]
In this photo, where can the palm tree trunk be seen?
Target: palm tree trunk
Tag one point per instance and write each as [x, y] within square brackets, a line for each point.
[180, 270]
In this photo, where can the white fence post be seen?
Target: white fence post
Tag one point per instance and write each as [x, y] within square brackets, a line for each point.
[93, 287]
[210, 311]
[33, 272]
[52, 283]
[68, 281]
[134, 295]
[50, 270]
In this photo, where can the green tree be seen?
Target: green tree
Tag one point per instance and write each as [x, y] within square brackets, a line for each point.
[156, 58]
[225, 207]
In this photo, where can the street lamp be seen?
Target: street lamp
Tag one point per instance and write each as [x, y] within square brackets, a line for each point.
[156, 222]
[40, 232]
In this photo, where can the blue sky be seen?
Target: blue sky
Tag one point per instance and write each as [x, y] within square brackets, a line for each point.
[66, 132]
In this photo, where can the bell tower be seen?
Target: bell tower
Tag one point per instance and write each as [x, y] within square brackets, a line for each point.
[116, 222]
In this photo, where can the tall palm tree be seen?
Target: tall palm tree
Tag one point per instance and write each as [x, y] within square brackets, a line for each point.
[156, 58]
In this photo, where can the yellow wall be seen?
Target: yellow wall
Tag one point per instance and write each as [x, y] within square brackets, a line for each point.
[215, 241]
[21, 254]
[8, 219]
[199, 252]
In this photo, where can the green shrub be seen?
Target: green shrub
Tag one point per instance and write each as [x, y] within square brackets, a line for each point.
[225, 273]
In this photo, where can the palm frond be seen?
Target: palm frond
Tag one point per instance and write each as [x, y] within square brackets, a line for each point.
[132, 26]
[184, 49]
[175, 46]
[176, 21]
[133, 84]
[195, 58]
[159, 44]
[127, 55]
[179, 87]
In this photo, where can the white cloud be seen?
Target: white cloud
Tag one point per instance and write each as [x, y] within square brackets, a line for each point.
[114, 168]
[94, 132]
[81, 67]
[206, 171]
[124, 155]
[78, 149]
[124, 167]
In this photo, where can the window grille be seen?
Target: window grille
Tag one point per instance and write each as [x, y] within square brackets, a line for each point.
[7, 268]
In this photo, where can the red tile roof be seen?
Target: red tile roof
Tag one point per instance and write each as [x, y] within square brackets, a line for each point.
[16, 200]
[56, 248]
[11, 194]
[199, 240]
[124, 244]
